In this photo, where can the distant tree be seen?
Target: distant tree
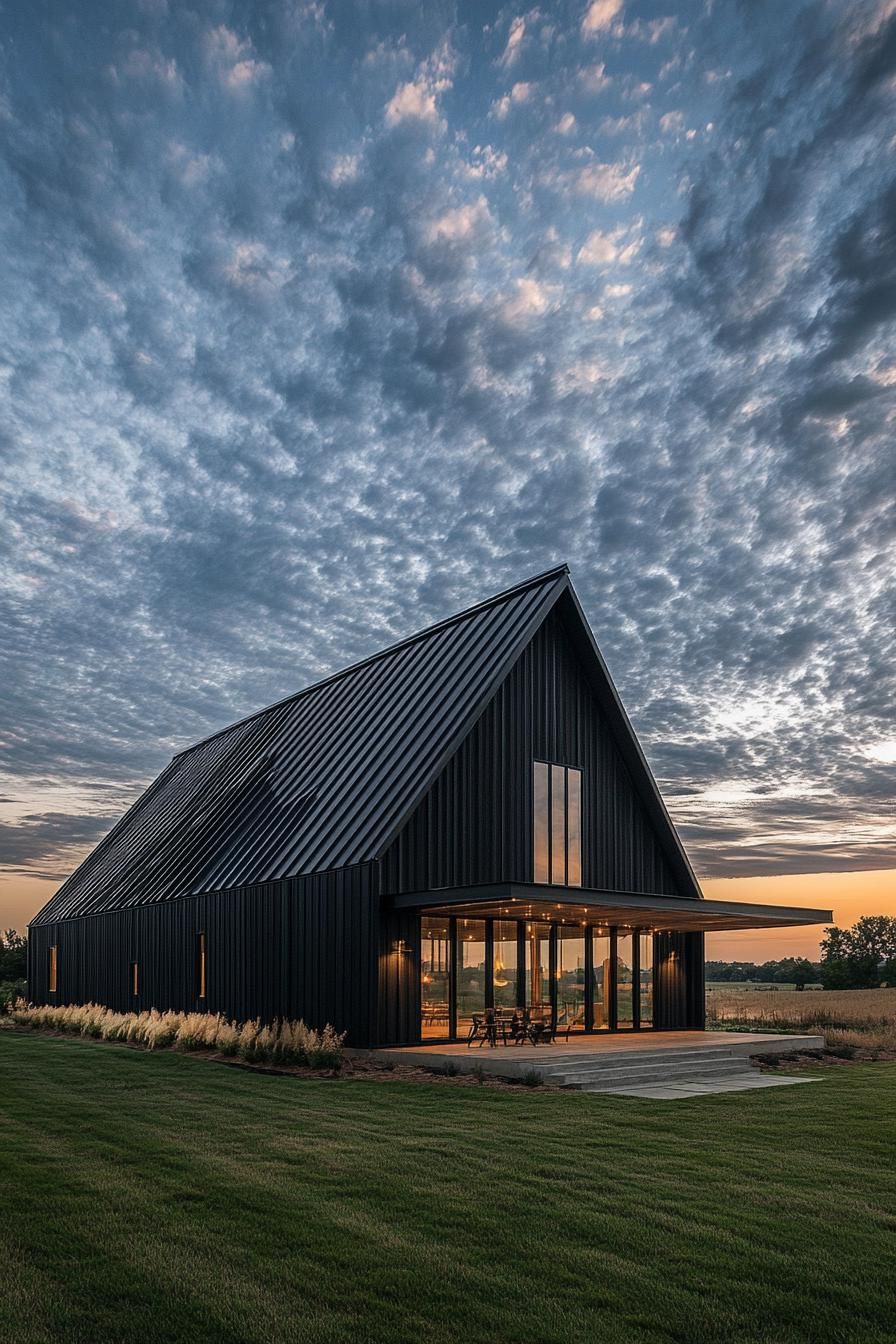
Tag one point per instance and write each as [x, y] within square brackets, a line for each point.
[862, 956]
[797, 971]
[732, 971]
[13, 955]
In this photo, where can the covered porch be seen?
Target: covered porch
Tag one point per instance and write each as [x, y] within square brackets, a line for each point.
[578, 963]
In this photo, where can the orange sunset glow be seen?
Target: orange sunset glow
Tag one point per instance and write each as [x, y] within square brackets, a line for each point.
[847, 895]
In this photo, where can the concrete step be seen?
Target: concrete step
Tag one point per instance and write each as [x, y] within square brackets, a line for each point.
[686, 1090]
[652, 1068]
[652, 1076]
[556, 1055]
[629, 1063]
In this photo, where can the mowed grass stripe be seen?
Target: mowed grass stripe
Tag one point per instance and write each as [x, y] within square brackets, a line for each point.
[158, 1197]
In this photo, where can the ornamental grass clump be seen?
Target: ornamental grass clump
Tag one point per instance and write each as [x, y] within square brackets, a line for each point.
[281, 1042]
[190, 1034]
[227, 1038]
[158, 1030]
[326, 1051]
[115, 1026]
[246, 1040]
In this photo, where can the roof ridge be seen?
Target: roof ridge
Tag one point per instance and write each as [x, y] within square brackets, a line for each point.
[534, 581]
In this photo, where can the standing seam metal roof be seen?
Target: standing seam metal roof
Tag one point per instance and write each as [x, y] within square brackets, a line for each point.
[321, 780]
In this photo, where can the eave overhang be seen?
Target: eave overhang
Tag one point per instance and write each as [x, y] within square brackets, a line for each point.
[522, 900]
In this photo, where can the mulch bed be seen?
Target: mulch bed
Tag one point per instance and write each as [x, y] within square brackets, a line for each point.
[357, 1070]
[811, 1059]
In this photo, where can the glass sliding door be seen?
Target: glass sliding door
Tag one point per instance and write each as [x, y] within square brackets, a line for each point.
[577, 977]
[645, 977]
[538, 970]
[570, 977]
[435, 979]
[624, 980]
[471, 972]
[601, 980]
[505, 979]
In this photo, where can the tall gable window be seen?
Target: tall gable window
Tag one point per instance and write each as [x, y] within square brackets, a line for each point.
[557, 824]
[52, 968]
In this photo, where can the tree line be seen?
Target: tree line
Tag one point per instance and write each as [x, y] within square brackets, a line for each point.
[860, 957]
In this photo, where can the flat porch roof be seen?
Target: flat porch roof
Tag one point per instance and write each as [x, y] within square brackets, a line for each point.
[521, 900]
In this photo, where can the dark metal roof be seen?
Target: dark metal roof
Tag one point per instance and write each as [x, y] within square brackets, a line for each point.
[323, 779]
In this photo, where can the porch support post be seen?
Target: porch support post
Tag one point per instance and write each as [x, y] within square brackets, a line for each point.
[589, 979]
[614, 980]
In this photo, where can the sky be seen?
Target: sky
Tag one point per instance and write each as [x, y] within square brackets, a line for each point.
[322, 321]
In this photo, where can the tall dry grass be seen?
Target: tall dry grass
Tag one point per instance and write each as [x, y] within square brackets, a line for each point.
[865, 1018]
[280, 1042]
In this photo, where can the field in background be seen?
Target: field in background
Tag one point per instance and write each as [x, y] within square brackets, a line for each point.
[751, 986]
[156, 1197]
[863, 1018]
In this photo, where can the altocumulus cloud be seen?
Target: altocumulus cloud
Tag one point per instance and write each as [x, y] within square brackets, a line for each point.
[322, 321]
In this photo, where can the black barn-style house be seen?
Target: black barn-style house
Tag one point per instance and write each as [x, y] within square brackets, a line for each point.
[463, 821]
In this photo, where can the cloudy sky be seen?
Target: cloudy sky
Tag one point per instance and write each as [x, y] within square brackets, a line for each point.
[321, 321]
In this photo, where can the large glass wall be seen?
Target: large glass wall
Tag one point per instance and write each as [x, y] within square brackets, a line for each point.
[571, 977]
[601, 980]
[624, 980]
[583, 977]
[471, 972]
[645, 975]
[506, 948]
[435, 978]
[538, 969]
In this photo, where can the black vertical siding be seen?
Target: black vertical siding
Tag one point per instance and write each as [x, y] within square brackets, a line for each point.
[302, 947]
[399, 978]
[678, 982]
[474, 825]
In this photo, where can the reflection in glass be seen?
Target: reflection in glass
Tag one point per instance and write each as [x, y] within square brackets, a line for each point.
[571, 977]
[624, 997]
[505, 953]
[601, 981]
[558, 824]
[646, 977]
[538, 969]
[574, 828]
[435, 953]
[540, 820]
[470, 972]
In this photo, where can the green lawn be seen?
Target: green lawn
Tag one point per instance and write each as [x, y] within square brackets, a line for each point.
[159, 1197]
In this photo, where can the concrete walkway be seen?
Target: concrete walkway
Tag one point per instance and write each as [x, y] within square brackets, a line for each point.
[679, 1090]
[660, 1065]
